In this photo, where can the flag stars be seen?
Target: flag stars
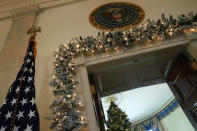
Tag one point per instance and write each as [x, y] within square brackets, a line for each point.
[31, 114]
[19, 78]
[28, 61]
[2, 128]
[4, 102]
[24, 101]
[25, 69]
[13, 101]
[30, 79]
[20, 115]
[30, 70]
[17, 89]
[30, 54]
[10, 90]
[24, 78]
[15, 128]
[28, 128]
[8, 115]
[32, 101]
[27, 90]
[25, 115]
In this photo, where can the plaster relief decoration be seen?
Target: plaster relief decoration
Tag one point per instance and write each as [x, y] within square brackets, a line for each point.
[116, 15]
[116, 98]
[66, 108]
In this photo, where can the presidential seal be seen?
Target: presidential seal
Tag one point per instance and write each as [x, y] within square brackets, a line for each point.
[116, 15]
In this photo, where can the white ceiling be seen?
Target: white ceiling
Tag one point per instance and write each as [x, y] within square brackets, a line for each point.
[142, 102]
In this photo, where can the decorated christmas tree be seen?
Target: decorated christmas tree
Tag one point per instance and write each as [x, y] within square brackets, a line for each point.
[117, 119]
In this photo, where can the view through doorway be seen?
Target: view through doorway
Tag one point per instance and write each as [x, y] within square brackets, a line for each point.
[144, 103]
[140, 90]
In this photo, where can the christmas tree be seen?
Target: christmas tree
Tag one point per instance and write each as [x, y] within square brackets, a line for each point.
[117, 119]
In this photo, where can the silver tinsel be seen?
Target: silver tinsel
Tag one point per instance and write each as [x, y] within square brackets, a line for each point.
[66, 113]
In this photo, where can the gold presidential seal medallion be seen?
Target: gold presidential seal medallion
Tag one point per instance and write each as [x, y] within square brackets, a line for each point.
[116, 15]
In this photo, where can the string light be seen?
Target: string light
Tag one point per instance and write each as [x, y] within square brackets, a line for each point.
[64, 73]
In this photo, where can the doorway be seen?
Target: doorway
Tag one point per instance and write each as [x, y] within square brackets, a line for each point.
[131, 75]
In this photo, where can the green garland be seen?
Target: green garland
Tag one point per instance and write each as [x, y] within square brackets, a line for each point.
[66, 108]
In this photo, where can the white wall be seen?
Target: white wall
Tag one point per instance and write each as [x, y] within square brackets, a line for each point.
[4, 29]
[61, 24]
[176, 121]
[192, 49]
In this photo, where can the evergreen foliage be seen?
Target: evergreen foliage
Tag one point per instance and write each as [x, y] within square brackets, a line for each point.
[117, 119]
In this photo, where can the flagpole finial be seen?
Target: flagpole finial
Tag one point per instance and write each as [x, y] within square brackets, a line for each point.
[32, 31]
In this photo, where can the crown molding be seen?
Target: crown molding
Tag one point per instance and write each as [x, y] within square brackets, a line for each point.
[9, 7]
[24, 11]
[193, 36]
[9, 2]
[47, 4]
[4, 15]
[156, 112]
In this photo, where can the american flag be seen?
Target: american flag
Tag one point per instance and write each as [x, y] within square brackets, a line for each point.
[18, 111]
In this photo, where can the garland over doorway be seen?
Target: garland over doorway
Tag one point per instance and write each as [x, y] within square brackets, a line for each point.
[66, 108]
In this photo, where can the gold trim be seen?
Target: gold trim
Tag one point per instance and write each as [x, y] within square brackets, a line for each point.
[194, 65]
[113, 98]
[156, 112]
[138, 21]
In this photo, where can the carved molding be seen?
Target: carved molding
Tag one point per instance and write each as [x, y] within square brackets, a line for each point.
[25, 11]
[7, 8]
[136, 50]
[10, 2]
[193, 36]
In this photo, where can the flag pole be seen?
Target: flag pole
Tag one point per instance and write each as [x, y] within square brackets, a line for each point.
[32, 32]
